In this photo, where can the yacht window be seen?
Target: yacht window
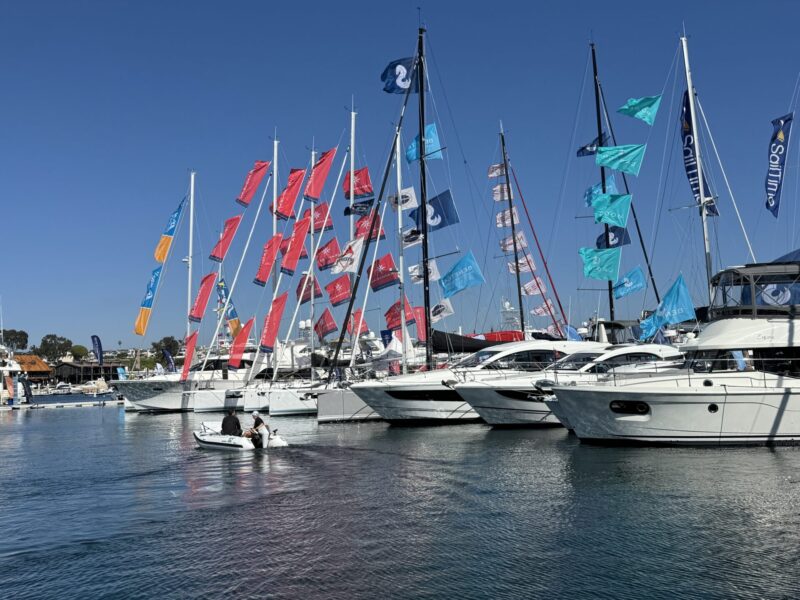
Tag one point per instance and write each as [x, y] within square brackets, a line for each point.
[717, 361]
[476, 360]
[781, 361]
[528, 360]
[573, 362]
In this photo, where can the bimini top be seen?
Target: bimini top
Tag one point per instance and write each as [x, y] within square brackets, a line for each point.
[756, 290]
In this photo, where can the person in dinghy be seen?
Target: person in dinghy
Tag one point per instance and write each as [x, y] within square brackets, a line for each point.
[258, 432]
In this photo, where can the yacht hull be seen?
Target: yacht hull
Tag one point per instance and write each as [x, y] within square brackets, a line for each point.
[341, 405]
[508, 407]
[153, 396]
[416, 404]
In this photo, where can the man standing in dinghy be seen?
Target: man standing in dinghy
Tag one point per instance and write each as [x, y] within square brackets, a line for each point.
[231, 425]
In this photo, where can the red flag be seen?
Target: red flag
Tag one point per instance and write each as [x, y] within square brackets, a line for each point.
[318, 176]
[419, 317]
[239, 342]
[363, 225]
[272, 323]
[289, 195]
[191, 341]
[252, 181]
[201, 300]
[285, 247]
[383, 273]
[296, 244]
[393, 315]
[328, 254]
[362, 186]
[339, 290]
[228, 231]
[312, 283]
[354, 321]
[322, 217]
[326, 324]
[268, 257]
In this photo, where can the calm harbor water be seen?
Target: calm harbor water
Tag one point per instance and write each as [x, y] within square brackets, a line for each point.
[98, 503]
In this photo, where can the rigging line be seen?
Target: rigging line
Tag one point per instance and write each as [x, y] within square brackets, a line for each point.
[725, 177]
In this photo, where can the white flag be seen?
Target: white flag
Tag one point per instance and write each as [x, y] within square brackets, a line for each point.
[411, 237]
[503, 218]
[416, 272]
[348, 259]
[534, 287]
[544, 309]
[408, 199]
[497, 170]
[507, 244]
[441, 310]
[500, 192]
[525, 265]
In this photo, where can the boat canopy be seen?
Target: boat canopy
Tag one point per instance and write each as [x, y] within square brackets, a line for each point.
[756, 290]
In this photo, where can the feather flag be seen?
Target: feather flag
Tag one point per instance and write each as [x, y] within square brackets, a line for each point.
[524, 265]
[644, 109]
[627, 158]
[419, 317]
[440, 310]
[497, 170]
[97, 348]
[347, 262]
[201, 300]
[433, 149]
[690, 159]
[190, 342]
[507, 244]
[363, 225]
[296, 245]
[231, 316]
[534, 287]
[503, 218]
[239, 343]
[285, 247]
[328, 254]
[268, 257]
[252, 181]
[228, 232]
[383, 273]
[325, 324]
[140, 327]
[164, 244]
[322, 217]
[362, 185]
[319, 173]
[464, 274]
[339, 290]
[357, 320]
[612, 209]
[417, 275]
[543, 309]
[600, 264]
[272, 323]
[286, 200]
[778, 144]
[394, 315]
[307, 283]
[500, 192]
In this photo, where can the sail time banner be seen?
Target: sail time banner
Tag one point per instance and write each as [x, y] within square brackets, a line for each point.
[778, 144]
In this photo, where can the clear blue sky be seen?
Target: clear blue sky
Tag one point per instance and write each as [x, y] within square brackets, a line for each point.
[107, 105]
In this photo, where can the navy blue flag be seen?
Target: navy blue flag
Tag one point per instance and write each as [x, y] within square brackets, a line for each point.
[690, 159]
[386, 337]
[440, 214]
[591, 148]
[169, 360]
[359, 208]
[617, 236]
[778, 144]
[97, 348]
[398, 76]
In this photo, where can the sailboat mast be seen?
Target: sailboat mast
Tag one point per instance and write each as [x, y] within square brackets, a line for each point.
[507, 171]
[423, 198]
[274, 202]
[352, 163]
[400, 254]
[189, 257]
[310, 274]
[700, 183]
[606, 231]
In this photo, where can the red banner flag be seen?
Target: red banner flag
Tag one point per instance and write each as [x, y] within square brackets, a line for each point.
[328, 254]
[363, 225]
[228, 231]
[190, 343]
[289, 194]
[296, 246]
[355, 319]
[393, 315]
[252, 181]
[383, 273]
[339, 290]
[322, 217]
[326, 324]
[268, 257]
[312, 284]
[419, 317]
[239, 342]
[319, 173]
[272, 323]
[362, 185]
[201, 300]
[285, 247]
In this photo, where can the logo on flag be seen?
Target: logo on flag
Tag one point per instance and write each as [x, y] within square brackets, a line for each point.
[348, 259]
[617, 236]
[503, 218]
[507, 244]
[632, 281]
[408, 199]
[543, 309]
[383, 273]
[417, 275]
[524, 265]
[440, 310]
[411, 237]
[497, 170]
[398, 77]
[534, 287]
[433, 148]
[464, 274]
[777, 157]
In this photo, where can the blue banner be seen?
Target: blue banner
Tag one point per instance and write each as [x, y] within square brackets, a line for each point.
[464, 274]
[778, 144]
[398, 76]
[690, 159]
[617, 237]
[631, 282]
[97, 348]
[593, 192]
[169, 360]
[627, 158]
[675, 307]
[386, 337]
[601, 264]
[441, 212]
[152, 287]
[612, 209]
[591, 148]
[433, 148]
[572, 333]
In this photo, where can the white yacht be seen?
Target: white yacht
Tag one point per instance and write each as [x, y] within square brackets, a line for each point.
[740, 383]
[10, 370]
[518, 399]
[429, 396]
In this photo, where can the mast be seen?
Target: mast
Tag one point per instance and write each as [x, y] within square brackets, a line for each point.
[513, 230]
[700, 183]
[400, 258]
[274, 200]
[606, 231]
[352, 162]
[310, 273]
[189, 257]
[423, 198]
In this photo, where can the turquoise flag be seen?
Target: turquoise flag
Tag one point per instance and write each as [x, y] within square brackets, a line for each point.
[642, 108]
[675, 307]
[464, 274]
[591, 193]
[612, 209]
[433, 149]
[601, 264]
[627, 159]
[631, 282]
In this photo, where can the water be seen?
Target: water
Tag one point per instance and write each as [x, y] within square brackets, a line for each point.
[99, 503]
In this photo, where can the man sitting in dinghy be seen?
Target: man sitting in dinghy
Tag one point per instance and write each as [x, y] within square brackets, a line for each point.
[231, 425]
[258, 425]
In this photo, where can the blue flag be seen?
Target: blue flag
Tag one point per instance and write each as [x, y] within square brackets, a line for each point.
[601, 264]
[612, 209]
[676, 306]
[778, 144]
[644, 109]
[359, 208]
[398, 76]
[627, 158]
[441, 212]
[632, 281]
[169, 360]
[591, 148]
[572, 333]
[593, 192]
[617, 236]
[386, 337]
[97, 348]
[462, 275]
[690, 159]
[433, 148]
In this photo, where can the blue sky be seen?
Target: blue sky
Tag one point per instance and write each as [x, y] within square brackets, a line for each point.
[107, 106]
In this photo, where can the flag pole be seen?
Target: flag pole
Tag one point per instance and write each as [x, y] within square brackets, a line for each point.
[401, 258]
[189, 257]
[423, 194]
[513, 231]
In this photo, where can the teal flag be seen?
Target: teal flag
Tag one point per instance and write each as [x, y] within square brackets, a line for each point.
[632, 281]
[612, 209]
[433, 149]
[601, 264]
[593, 192]
[675, 307]
[642, 108]
[627, 159]
[464, 274]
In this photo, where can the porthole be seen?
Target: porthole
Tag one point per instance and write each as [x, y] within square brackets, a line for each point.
[629, 407]
[708, 382]
[712, 408]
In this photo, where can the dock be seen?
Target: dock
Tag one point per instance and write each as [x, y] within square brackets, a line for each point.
[33, 406]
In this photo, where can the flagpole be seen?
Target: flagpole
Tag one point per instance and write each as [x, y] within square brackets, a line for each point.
[274, 221]
[352, 161]
[310, 272]
[513, 231]
[401, 259]
[423, 194]
[606, 230]
[189, 258]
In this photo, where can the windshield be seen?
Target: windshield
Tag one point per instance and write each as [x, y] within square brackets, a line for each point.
[573, 362]
[476, 360]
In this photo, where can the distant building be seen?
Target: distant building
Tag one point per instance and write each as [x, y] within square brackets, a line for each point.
[81, 372]
[36, 369]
